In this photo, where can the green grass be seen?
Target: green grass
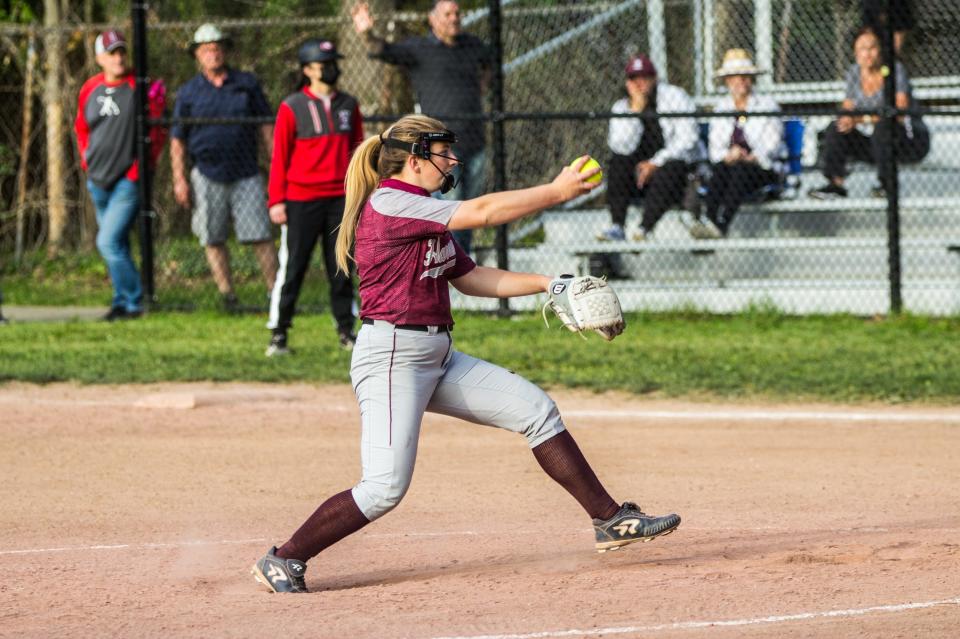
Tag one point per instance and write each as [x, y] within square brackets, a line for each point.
[182, 278]
[758, 355]
[73, 278]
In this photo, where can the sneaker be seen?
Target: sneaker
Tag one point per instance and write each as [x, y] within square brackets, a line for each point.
[347, 340]
[629, 525]
[878, 191]
[705, 231]
[280, 575]
[277, 346]
[613, 234]
[230, 303]
[639, 235]
[116, 313]
[829, 192]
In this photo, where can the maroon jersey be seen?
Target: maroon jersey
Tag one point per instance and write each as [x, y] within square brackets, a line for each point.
[405, 256]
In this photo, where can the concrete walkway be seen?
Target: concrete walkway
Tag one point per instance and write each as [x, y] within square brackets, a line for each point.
[53, 313]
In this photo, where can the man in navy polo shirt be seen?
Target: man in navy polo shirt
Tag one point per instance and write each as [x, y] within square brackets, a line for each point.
[449, 70]
[225, 179]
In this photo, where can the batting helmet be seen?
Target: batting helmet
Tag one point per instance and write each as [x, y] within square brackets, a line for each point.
[316, 50]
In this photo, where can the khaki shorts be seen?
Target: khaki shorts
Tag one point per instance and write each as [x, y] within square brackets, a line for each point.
[214, 203]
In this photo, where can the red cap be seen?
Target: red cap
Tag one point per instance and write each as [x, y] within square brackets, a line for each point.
[641, 66]
[108, 41]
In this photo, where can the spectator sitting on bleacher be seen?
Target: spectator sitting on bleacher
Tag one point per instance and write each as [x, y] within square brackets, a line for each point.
[862, 137]
[744, 150]
[651, 157]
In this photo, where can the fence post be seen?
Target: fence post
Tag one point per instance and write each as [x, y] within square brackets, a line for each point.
[891, 171]
[139, 18]
[499, 149]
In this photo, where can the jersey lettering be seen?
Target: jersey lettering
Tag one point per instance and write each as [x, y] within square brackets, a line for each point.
[445, 257]
[435, 257]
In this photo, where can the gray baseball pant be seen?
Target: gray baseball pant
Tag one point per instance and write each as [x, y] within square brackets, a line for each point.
[398, 374]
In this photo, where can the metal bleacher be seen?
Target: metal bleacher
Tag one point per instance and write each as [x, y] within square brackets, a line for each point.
[795, 253]
[799, 254]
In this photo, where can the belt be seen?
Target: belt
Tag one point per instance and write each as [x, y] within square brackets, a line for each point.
[424, 328]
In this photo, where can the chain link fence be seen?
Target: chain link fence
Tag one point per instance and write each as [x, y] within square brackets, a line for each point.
[733, 213]
[715, 171]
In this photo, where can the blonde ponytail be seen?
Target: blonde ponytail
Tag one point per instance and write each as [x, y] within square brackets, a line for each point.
[362, 180]
[372, 162]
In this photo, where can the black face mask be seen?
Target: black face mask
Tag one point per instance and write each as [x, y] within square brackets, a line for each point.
[330, 73]
[452, 179]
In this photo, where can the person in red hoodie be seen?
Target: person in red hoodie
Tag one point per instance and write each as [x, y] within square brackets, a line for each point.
[317, 130]
[105, 127]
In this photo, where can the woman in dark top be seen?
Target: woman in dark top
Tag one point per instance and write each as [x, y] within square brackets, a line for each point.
[861, 137]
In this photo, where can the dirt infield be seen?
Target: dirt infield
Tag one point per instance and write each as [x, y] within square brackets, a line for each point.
[137, 511]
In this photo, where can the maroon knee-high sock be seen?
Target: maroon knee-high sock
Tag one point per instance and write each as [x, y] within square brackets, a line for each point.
[336, 518]
[560, 457]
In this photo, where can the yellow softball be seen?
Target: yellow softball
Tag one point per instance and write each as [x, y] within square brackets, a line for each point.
[589, 166]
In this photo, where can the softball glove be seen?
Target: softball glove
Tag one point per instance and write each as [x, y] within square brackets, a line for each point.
[583, 303]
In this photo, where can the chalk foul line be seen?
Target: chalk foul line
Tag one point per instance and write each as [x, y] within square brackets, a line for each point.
[691, 625]
[772, 415]
[172, 544]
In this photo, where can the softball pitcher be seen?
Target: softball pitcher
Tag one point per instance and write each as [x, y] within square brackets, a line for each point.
[404, 362]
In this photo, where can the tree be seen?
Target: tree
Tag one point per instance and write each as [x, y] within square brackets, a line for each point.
[53, 102]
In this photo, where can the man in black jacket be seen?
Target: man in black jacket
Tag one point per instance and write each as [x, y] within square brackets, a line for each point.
[449, 70]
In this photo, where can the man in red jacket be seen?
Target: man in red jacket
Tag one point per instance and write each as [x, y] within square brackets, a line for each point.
[105, 127]
[317, 129]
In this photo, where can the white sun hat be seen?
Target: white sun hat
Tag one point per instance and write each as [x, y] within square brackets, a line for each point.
[737, 62]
